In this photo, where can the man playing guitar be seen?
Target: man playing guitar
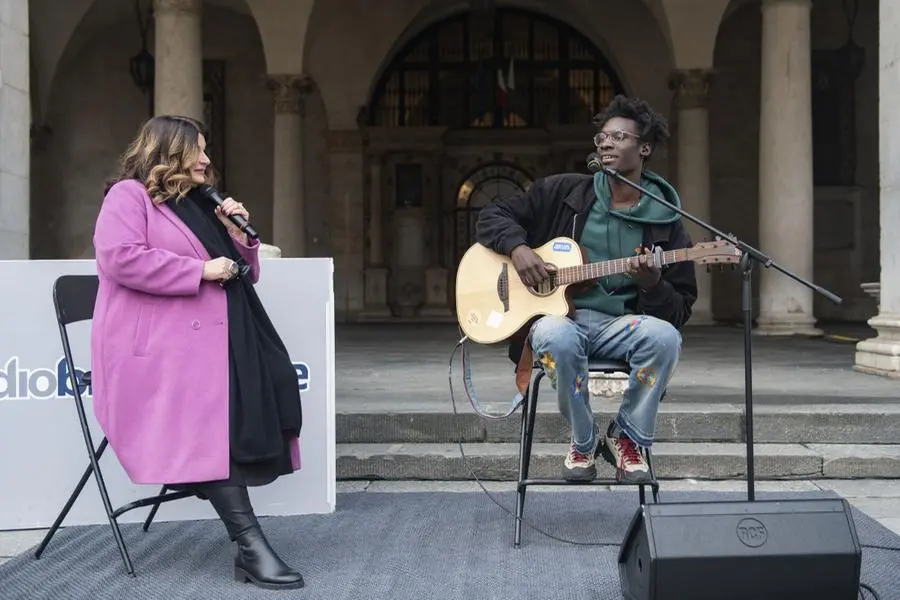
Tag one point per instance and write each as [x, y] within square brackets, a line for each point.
[634, 317]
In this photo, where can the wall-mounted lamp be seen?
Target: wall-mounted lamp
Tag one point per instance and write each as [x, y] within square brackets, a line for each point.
[142, 64]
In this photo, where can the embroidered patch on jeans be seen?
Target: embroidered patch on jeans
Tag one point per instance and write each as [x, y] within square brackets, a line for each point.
[634, 323]
[647, 376]
[549, 364]
[579, 383]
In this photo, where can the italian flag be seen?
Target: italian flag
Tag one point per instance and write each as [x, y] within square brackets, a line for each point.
[506, 85]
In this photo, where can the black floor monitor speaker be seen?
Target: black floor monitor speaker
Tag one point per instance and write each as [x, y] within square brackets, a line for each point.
[760, 550]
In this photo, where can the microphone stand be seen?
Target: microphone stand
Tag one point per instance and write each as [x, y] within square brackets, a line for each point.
[748, 255]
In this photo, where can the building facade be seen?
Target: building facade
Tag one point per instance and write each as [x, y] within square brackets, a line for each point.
[374, 131]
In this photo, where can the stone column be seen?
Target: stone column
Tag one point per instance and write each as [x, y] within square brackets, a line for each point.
[691, 91]
[288, 206]
[178, 78]
[881, 355]
[15, 123]
[786, 169]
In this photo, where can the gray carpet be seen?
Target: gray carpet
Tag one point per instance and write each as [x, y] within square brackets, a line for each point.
[385, 547]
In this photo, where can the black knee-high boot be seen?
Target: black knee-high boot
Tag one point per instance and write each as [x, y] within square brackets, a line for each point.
[255, 561]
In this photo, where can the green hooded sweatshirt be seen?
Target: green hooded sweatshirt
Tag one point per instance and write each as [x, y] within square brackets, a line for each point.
[610, 234]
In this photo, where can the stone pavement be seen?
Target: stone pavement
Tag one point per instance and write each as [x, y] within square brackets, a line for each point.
[406, 366]
[814, 417]
[879, 499]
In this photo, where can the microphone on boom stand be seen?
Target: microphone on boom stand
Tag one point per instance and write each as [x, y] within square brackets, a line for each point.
[726, 569]
[594, 164]
[748, 255]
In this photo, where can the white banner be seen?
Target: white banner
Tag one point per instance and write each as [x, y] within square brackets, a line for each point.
[44, 453]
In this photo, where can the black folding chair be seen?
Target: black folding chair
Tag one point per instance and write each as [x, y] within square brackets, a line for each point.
[73, 299]
[529, 410]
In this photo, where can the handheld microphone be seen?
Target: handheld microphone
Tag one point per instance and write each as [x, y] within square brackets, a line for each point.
[594, 165]
[213, 194]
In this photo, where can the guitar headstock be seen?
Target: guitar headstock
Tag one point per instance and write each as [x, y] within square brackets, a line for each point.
[718, 252]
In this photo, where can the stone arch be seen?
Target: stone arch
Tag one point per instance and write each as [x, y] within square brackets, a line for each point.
[284, 32]
[733, 105]
[657, 8]
[78, 22]
[92, 109]
[479, 187]
[512, 68]
[735, 5]
[50, 40]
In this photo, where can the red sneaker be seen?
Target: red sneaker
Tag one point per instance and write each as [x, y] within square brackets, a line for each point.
[626, 456]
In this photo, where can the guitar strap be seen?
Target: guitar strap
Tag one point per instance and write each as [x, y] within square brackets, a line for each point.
[522, 375]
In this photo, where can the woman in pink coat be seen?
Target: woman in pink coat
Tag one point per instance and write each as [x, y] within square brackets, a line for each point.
[192, 384]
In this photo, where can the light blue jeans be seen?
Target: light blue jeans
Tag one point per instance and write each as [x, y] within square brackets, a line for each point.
[651, 346]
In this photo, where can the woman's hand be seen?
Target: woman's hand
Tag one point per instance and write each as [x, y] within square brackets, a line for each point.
[219, 269]
[228, 208]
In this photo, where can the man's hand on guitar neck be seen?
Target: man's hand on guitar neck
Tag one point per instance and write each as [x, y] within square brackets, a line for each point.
[642, 270]
[530, 267]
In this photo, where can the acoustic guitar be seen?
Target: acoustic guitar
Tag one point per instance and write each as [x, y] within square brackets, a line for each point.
[492, 303]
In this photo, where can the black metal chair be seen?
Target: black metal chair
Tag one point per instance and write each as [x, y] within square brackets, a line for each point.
[73, 299]
[529, 410]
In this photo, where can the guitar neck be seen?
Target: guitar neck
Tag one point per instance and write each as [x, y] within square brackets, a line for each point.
[605, 268]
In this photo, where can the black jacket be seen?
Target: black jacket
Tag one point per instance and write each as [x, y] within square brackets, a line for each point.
[558, 206]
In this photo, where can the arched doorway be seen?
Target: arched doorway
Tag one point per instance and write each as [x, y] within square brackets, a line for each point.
[486, 184]
[94, 107]
[473, 108]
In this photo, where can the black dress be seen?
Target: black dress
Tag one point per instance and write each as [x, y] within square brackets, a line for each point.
[264, 398]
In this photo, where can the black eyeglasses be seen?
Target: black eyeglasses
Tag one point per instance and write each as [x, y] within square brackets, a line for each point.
[617, 135]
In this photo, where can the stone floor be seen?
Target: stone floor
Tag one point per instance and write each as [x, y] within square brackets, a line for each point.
[405, 367]
[814, 414]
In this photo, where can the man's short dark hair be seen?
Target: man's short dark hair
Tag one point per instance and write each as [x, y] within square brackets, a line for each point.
[651, 126]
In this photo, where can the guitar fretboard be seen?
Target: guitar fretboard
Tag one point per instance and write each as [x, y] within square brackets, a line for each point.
[579, 273]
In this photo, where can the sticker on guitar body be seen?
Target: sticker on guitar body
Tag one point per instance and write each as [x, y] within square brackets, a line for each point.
[494, 319]
[562, 246]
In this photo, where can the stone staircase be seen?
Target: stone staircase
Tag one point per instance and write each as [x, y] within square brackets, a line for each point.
[814, 416]
[696, 439]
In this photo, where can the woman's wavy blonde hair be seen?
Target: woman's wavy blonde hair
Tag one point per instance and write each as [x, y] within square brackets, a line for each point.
[162, 156]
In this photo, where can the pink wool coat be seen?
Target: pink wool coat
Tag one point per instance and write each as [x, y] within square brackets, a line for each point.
[159, 343]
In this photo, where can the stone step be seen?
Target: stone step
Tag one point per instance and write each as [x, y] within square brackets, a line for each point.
[674, 460]
[868, 423]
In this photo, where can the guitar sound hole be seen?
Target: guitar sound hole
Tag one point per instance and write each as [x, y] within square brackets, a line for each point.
[546, 287]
